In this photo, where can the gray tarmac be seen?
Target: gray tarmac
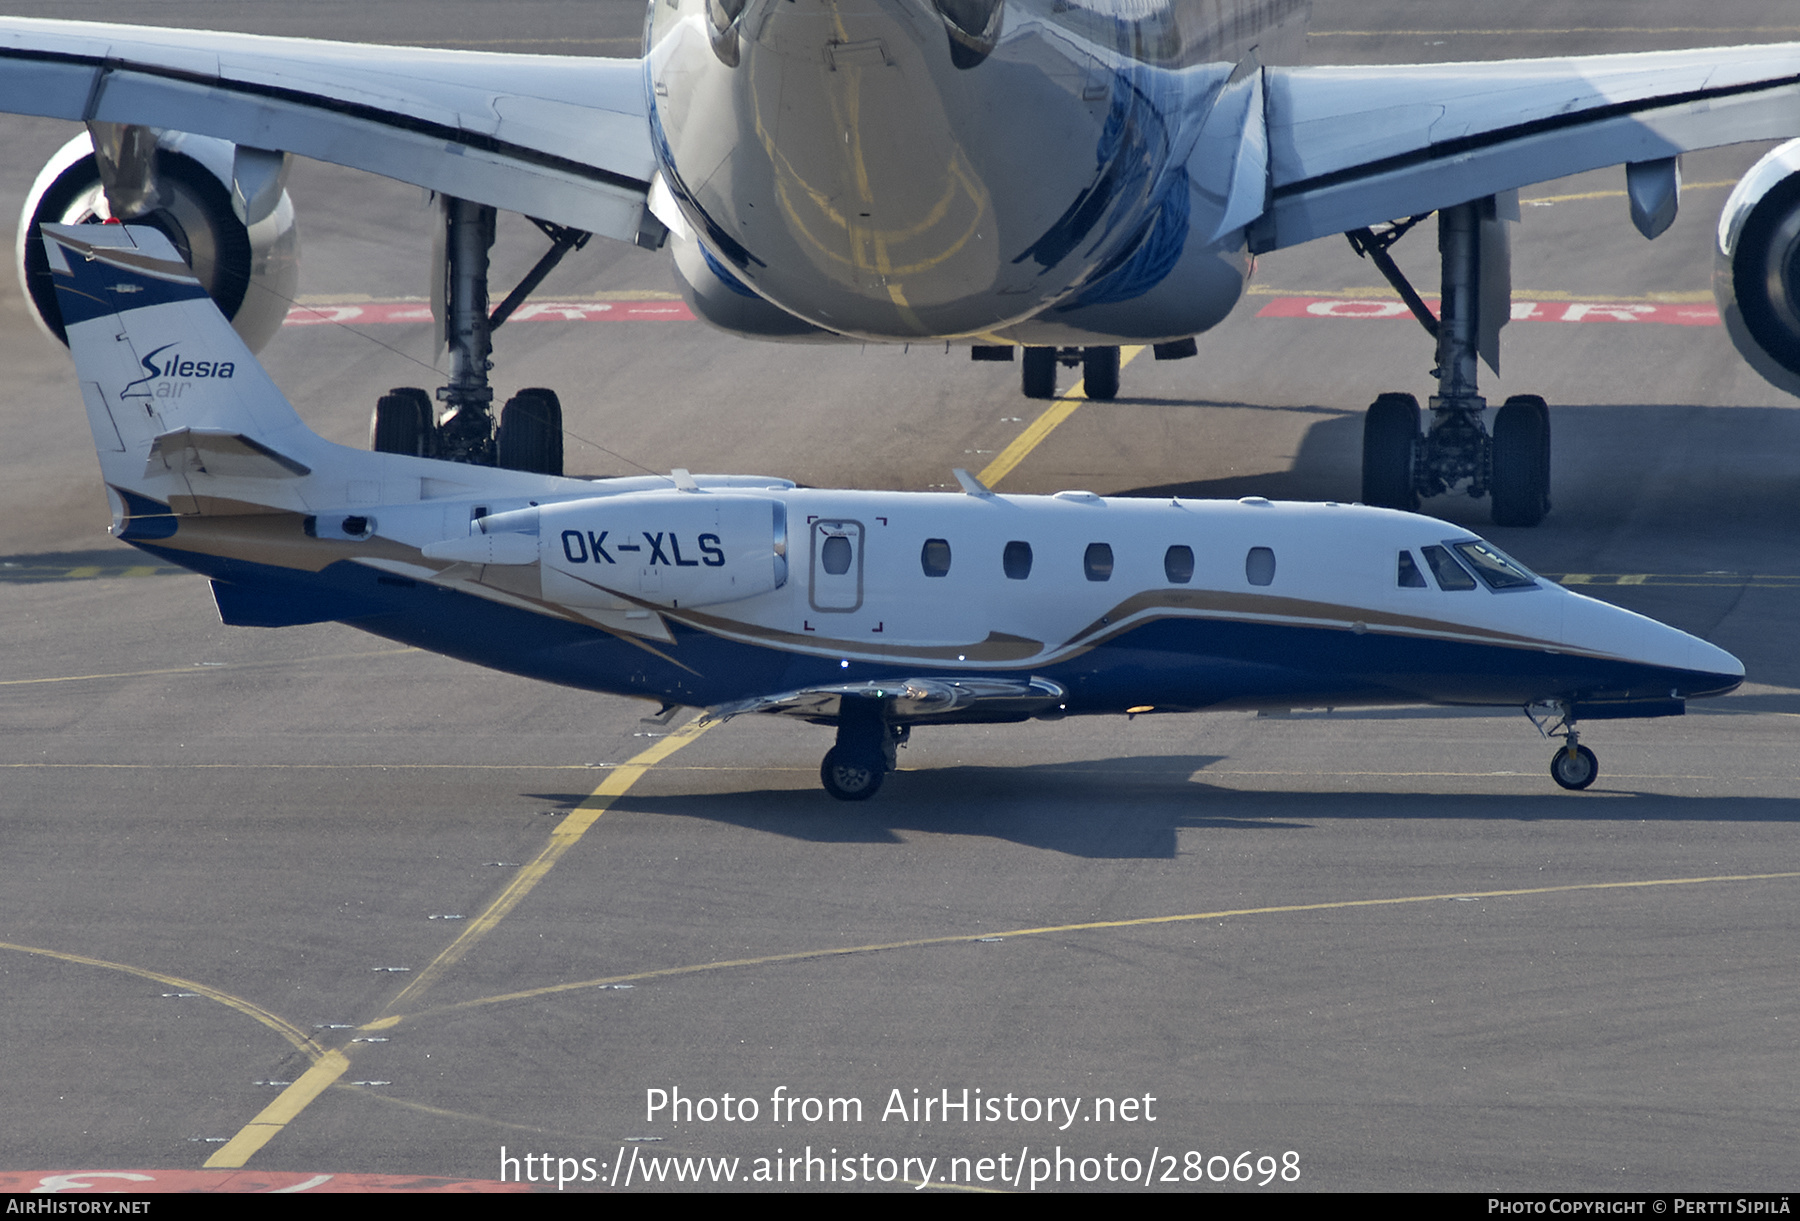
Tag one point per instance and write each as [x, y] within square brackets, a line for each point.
[1383, 942]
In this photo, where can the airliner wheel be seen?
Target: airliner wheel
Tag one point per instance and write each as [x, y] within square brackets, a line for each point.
[402, 423]
[1037, 375]
[1574, 767]
[849, 778]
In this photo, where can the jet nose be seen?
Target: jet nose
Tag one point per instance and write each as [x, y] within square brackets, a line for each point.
[1659, 657]
[1715, 671]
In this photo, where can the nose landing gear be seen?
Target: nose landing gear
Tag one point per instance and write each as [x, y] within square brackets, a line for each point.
[1573, 765]
[1099, 371]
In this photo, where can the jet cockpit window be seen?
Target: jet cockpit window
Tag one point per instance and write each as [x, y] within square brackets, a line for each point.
[1496, 569]
[934, 557]
[1449, 573]
[1017, 560]
[1410, 576]
[1259, 566]
[1098, 562]
[1178, 564]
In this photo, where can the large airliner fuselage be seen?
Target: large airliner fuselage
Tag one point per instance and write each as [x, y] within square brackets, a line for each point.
[1010, 170]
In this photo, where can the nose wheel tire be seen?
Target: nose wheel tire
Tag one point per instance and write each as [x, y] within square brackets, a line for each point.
[1100, 373]
[1038, 373]
[849, 778]
[1574, 767]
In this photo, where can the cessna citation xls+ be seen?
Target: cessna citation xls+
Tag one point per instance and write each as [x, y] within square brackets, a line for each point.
[870, 611]
[1056, 176]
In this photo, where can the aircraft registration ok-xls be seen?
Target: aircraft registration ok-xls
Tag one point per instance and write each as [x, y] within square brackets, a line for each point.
[874, 611]
[1064, 176]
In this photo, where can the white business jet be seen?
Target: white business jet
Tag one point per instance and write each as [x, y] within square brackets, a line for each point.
[871, 611]
[1057, 176]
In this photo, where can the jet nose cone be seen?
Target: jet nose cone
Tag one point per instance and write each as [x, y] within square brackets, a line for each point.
[1715, 671]
[1657, 656]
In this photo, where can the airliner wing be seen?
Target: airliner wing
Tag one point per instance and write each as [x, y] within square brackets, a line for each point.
[562, 138]
[1352, 146]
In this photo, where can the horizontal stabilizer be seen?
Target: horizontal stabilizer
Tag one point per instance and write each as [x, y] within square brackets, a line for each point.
[207, 451]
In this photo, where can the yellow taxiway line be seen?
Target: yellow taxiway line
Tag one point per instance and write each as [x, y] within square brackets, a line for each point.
[1042, 427]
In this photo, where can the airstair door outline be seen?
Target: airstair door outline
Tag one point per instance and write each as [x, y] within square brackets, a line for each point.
[837, 566]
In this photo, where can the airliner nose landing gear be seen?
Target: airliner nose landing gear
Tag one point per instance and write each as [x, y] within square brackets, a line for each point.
[1573, 765]
[865, 752]
[1099, 371]
[1511, 465]
[529, 435]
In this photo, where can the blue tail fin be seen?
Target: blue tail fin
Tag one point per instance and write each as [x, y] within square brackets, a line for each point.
[170, 389]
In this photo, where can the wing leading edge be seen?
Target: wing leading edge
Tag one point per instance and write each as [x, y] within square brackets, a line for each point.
[1353, 146]
[562, 138]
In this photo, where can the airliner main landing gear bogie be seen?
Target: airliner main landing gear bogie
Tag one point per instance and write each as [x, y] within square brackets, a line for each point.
[529, 436]
[1512, 463]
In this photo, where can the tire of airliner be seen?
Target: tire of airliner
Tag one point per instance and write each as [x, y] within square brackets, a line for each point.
[848, 777]
[531, 433]
[1390, 446]
[402, 423]
[1521, 483]
[1576, 771]
[1038, 374]
[1100, 373]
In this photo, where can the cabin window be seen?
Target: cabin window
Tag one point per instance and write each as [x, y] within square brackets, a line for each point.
[1259, 566]
[1496, 569]
[934, 557]
[1410, 576]
[1178, 564]
[1098, 562]
[835, 555]
[1017, 560]
[1449, 573]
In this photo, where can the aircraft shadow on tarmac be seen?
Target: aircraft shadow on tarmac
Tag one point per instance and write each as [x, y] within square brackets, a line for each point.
[1684, 468]
[1138, 806]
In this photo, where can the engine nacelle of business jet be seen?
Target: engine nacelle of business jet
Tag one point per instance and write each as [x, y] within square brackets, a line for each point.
[669, 549]
[1756, 267]
[250, 269]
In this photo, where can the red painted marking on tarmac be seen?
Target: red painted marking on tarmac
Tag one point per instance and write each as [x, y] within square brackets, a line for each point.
[236, 1182]
[1382, 308]
[379, 313]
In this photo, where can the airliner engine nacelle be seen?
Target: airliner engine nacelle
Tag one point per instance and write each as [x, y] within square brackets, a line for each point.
[669, 549]
[250, 269]
[1756, 267]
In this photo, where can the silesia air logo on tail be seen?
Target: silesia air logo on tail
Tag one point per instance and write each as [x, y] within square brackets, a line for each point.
[171, 368]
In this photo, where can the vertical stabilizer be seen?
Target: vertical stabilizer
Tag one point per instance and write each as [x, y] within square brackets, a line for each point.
[171, 391]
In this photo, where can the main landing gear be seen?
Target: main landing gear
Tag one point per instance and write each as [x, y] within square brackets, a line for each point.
[865, 752]
[1573, 765]
[529, 433]
[1402, 461]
